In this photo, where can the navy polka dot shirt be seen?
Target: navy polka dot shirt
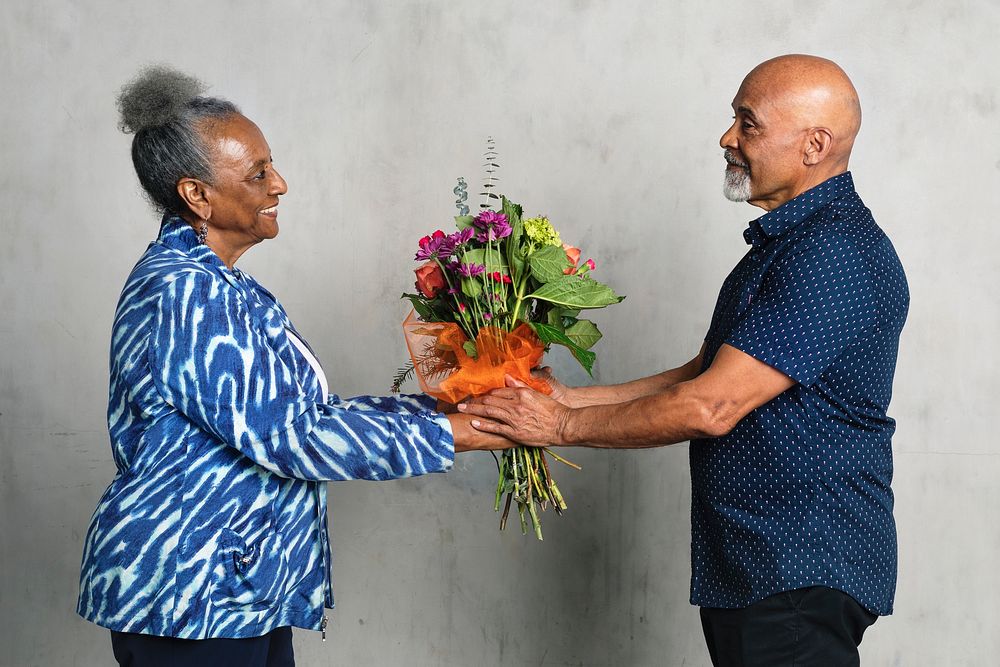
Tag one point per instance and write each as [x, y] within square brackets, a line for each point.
[798, 493]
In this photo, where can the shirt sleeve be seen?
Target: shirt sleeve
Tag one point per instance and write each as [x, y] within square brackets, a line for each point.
[209, 361]
[812, 305]
[410, 403]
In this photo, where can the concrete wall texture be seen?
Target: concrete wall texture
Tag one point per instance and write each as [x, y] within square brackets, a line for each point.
[607, 117]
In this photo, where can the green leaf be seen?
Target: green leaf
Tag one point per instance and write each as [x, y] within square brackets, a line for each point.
[512, 211]
[584, 333]
[471, 287]
[576, 292]
[555, 318]
[463, 221]
[470, 349]
[493, 261]
[548, 263]
[551, 335]
[515, 242]
[516, 259]
[420, 305]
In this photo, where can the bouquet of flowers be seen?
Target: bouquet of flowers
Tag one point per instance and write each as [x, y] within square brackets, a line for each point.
[490, 298]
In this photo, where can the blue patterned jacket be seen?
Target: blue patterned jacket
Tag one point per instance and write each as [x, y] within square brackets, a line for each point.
[215, 524]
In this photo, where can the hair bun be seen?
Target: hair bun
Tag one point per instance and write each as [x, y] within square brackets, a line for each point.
[155, 97]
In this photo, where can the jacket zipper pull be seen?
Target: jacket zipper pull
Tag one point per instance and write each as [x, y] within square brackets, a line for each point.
[322, 628]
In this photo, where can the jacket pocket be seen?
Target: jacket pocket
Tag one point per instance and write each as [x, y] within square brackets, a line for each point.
[250, 575]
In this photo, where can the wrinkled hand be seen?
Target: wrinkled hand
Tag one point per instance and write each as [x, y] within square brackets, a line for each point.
[519, 413]
[560, 392]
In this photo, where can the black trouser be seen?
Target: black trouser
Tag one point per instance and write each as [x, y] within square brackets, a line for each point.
[808, 627]
[271, 650]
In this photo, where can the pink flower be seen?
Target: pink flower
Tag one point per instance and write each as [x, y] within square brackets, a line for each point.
[573, 255]
[591, 264]
[430, 279]
[438, 245]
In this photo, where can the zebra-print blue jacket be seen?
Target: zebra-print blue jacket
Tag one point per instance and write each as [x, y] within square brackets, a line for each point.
[215, 523]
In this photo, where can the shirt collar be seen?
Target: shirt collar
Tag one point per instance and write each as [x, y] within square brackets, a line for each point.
[177, 234]
[784, 218]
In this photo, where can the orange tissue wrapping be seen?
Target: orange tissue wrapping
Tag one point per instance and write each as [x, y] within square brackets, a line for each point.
[447, 372]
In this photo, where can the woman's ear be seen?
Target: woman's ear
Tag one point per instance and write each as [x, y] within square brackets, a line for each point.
[195, 195]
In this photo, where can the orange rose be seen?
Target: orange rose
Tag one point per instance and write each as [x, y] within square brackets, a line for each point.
[573, 255]
[430, 279]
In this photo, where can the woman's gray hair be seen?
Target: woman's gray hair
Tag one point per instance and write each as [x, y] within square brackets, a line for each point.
[167, 113]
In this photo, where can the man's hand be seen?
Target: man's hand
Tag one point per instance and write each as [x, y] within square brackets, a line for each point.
[560, 392]
[519, 413]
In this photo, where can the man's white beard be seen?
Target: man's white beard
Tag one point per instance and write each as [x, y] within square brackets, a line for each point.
[736, 186]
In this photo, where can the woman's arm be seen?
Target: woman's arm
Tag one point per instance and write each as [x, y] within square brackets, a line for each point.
[209, 361]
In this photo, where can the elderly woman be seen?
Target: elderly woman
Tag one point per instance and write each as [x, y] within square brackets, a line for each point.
[222, 426]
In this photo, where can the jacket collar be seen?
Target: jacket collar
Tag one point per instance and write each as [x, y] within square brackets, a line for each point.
[177, 234]
[787, 216]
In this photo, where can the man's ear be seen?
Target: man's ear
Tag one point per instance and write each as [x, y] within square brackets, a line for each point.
[195, 195]
[819, 141]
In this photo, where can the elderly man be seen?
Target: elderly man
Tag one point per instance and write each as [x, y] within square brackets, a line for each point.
[793, 540]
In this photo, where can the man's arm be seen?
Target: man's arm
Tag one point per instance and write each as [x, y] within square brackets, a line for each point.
[708, 405]
[580, 397]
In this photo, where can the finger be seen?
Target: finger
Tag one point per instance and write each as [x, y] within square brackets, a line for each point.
[488, 426]
[487, 411]
[506, 393]
[511, 381]
[478, 400]
[505, 402]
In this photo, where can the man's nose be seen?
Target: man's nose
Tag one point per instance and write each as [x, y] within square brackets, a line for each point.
[728, 138]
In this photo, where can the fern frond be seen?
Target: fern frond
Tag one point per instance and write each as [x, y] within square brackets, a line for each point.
[401, 376]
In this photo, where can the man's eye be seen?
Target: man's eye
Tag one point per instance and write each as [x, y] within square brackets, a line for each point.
[260, 175]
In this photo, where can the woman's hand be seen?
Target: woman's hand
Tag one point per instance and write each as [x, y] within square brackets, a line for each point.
[469, 439]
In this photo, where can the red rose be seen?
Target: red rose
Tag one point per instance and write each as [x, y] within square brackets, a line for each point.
[430, 279]
[573, 255]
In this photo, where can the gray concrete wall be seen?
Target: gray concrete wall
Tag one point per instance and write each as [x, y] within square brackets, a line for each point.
[607, 116]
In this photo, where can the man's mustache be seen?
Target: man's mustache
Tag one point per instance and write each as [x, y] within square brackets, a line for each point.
[731, 159]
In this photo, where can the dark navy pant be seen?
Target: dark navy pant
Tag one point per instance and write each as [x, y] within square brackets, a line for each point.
[808, 627]
[272, 650]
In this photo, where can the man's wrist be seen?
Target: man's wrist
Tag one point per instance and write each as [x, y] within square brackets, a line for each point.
[565, 426]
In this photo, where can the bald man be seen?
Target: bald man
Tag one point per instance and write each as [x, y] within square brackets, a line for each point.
[793, 546]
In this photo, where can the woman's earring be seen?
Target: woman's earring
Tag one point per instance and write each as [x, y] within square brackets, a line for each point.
[203, 232]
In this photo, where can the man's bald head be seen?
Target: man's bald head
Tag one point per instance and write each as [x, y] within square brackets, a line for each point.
[815, 89]
[796, 120]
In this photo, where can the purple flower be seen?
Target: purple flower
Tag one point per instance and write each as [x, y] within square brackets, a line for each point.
[470, 270]
[435, 246]
[493, 226]
[464, 236]
[495, 233]
[489, 218]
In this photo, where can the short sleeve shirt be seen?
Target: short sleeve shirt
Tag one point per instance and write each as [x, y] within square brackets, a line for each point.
[798, 493]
